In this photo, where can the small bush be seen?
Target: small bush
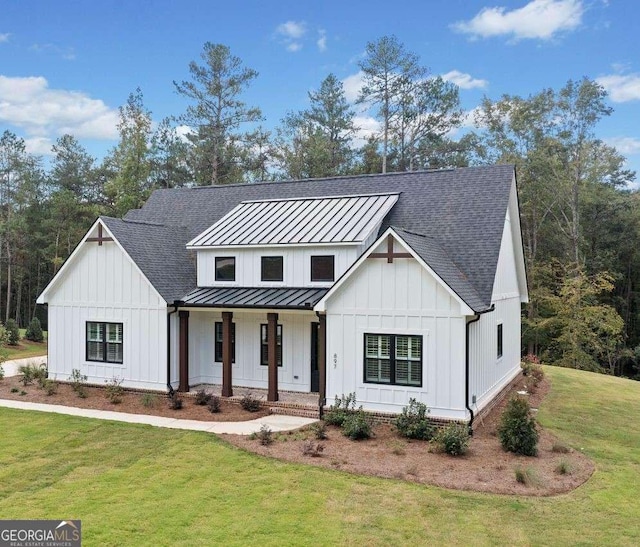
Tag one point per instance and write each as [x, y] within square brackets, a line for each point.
[517, 430]
[40, 374]
[452, 439]
[28, 374]
[23, 392]
[341, 408]
[356, 426]
[175, 401]
[149, 400]
[14, 390]
[563, 467]
[265, 435]
[250, 403]
[527, 476]
[13, 332]
[214, 404]
[78, 383]
[413, 422]
[34, 331]
[319, 430]
[50, 387]
[202, 397]
[560, 448]
[1, 373]
[113, 390]
[309, 448]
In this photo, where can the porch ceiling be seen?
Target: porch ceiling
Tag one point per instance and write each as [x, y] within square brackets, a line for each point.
[248, 297]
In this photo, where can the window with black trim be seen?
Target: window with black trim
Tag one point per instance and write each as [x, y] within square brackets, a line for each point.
[499, 340]
[271, 268]
[322, 268]
[394, 359]
[264, 352]
[218, 342]
[104, 342]
[225, 268]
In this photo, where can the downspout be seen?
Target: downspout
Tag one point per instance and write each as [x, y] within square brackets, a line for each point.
[466, 365]
[176, 304]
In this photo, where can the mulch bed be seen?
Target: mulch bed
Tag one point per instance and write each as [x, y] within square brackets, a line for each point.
[485, 468]
[131, 402]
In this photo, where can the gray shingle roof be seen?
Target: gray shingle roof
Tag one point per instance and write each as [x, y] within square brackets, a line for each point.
[462, 209]
[160, 252]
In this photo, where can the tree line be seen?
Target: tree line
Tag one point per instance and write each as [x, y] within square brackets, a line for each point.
[580, 217]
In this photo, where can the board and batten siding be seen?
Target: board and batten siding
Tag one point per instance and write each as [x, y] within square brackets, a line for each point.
[103, 284]
[296, 265]
[488, 374]
[295, 373]
[397, 298]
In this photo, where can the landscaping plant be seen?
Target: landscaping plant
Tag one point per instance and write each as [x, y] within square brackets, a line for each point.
[356, 426]
[341, 408]
[250, 403]
[452, 439]
[214, 404]
[28, 373]
[79, 383]
[319, 430]
[413, 422]
[1, 373]
[309, 448]
[34, 331]
[50, 387]
[175, 401]
[202, 397]
[265, 435]
[113, 390]
[13, 332]
[149, 400]
[517, 430]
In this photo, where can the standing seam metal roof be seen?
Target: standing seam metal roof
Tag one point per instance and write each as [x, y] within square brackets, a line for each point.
[254, 297]
[336, 219]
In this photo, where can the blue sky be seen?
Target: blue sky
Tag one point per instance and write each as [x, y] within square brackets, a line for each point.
[66, 66]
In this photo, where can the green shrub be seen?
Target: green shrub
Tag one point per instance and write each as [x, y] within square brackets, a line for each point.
[113, 390]
[149, 400]
[23, 392]
[175, 401]
[356, 426]
[319, 430]
[517, 430]
[40, 374]
[79, 383]
[28, 374]
[214, 404]
[34, 331]
[452, 439]
[413, 422]
[14, 390]
[265, 435]
[250, 403]
[50, 387]
[202, 397]
[527, 476]
[13, 332]
[341, 408]
[563, 467]
[1, 373]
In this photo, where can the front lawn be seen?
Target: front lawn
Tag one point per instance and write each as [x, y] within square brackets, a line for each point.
[137, 485]
[26, 348]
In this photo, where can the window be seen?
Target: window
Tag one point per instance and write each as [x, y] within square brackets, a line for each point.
[225, 268]
[264, 356]
[218, 342]
[104, 342]
[499, 340]
[393, 359]
[271, 268]
[322, 268]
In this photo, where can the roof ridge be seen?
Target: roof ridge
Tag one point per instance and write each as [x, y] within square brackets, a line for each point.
[144, 222]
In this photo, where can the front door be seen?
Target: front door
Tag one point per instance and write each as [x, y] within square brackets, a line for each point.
[315, 373]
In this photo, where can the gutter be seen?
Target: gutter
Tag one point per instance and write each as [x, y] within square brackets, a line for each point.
[176, 304]
[466, 364]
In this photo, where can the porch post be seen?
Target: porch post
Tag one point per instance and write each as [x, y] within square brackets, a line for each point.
[322, 360]
[227, 384]
[184, 351]
[272, 355]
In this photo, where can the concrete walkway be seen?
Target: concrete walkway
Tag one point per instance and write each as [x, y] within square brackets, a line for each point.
[11, 367]
[274, 421]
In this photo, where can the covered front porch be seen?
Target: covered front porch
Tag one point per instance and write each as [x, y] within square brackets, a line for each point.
[251, 338]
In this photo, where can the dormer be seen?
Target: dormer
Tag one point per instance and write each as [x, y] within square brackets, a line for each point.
[301, 242]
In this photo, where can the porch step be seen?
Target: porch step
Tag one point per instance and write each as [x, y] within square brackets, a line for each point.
[294, 411]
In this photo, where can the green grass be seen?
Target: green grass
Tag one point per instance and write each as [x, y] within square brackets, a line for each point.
[136, 485]
[26, 348]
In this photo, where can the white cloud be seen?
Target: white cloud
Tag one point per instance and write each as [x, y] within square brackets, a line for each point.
[42, 112]
[4, 37]
[322, 40]
[367, 127]
[294, 46]
[621, 87]
[352, 85]
[67, 53]
[292, 29]
[40, 146]
[463, 80]
[539, 19]
[627, 146]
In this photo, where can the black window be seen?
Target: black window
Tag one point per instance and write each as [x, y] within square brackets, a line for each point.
[499, 340]
[225, 268]
[264, 356]
[218, 344]
[271, 268]
[394, 359]
[322, 268]
[104, 342]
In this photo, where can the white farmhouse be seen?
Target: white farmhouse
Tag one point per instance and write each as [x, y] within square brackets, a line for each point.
[394, 286]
